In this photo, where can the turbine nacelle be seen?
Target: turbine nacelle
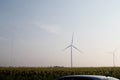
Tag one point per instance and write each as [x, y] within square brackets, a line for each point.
[73, 47]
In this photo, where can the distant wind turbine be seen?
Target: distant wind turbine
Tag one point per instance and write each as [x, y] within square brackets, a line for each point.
[113, 53]
[71, 46]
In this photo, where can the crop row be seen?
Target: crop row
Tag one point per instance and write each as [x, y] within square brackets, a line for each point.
[53, 73]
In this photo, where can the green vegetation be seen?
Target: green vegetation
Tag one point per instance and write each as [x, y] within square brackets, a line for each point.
[53, 73]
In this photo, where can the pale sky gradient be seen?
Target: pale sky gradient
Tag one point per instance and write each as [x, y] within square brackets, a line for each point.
[34, 32]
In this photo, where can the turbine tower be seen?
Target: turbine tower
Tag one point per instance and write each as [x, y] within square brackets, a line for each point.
[114, 57]
[113, 54]
[71, 46]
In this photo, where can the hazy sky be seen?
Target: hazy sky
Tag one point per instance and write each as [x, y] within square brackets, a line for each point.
[35, 32]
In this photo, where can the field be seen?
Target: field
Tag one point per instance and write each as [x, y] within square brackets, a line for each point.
[53, 73]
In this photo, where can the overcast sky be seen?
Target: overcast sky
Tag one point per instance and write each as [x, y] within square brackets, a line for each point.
[35, 32]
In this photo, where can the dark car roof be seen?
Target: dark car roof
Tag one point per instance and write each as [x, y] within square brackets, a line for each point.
[87, 76]
[93, 76]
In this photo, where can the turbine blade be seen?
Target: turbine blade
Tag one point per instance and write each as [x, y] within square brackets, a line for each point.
[77, 49]
[113, 51]
[109, 52]
[66, 47]
[72, 39]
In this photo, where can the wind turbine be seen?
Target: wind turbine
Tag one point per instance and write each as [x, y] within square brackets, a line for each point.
[71, 46]
[113, 53]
